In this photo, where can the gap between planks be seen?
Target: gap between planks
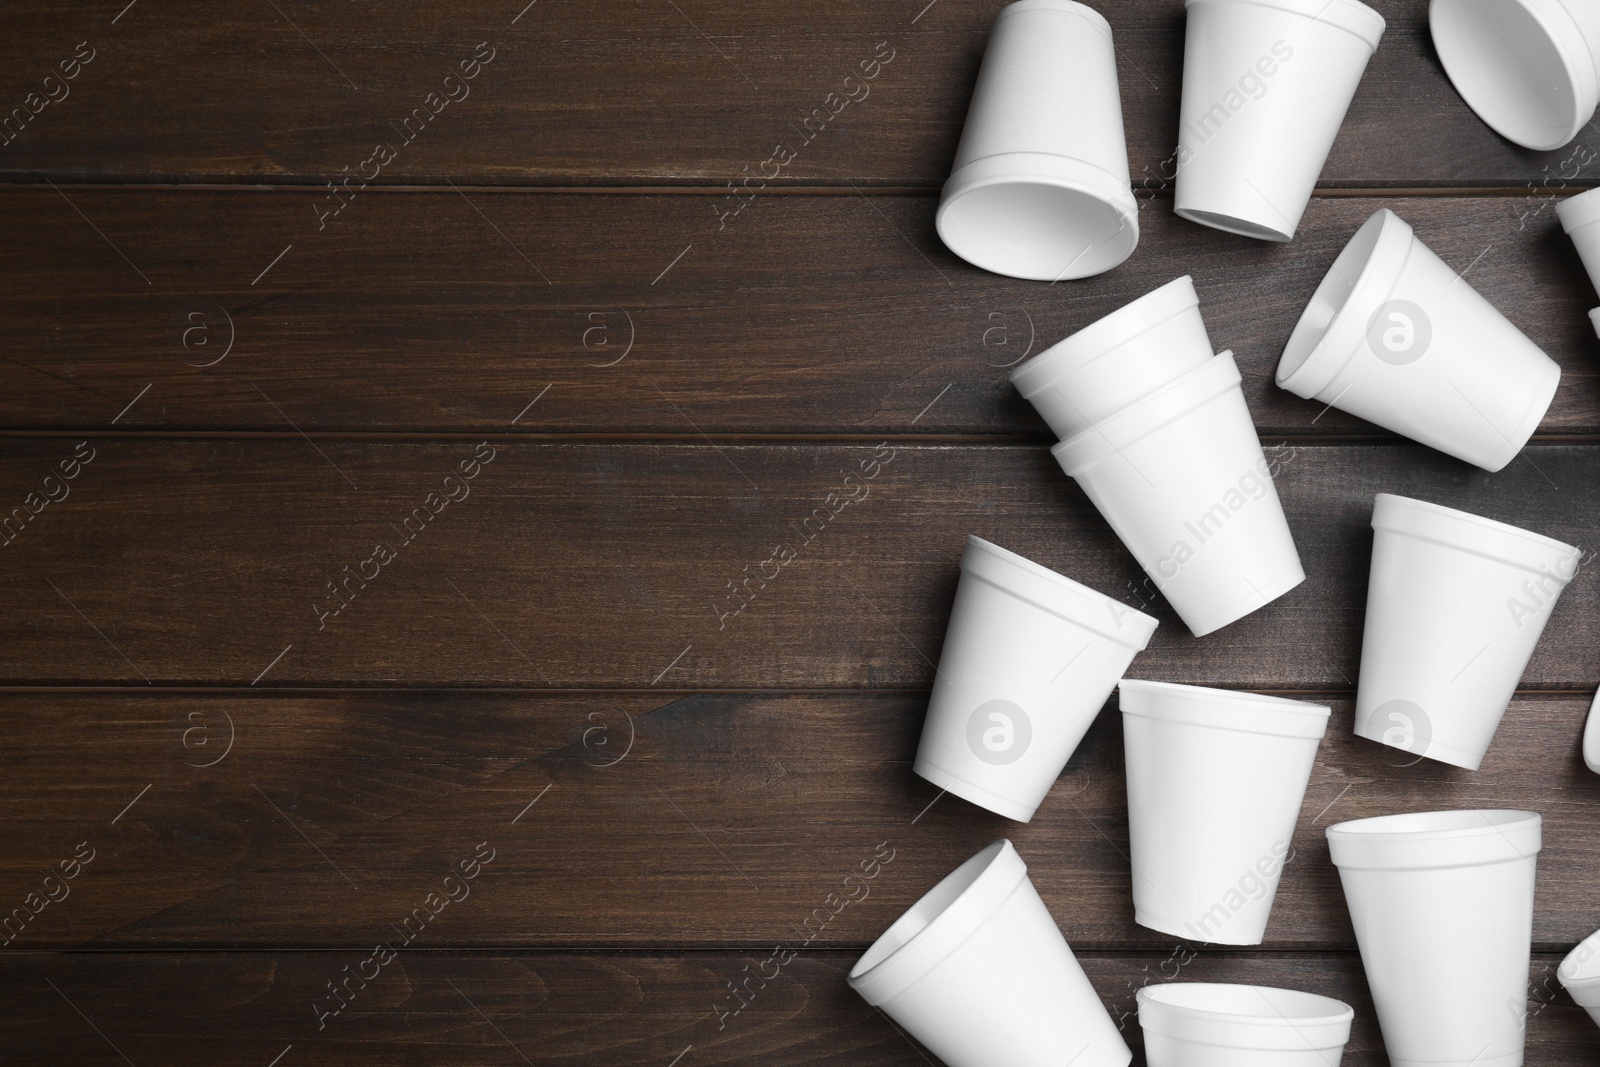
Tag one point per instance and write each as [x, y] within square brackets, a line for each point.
[812, 189]
[996, 440]
[667, 695]
[656, 950]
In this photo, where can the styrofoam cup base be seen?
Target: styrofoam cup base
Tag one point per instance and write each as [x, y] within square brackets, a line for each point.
[1030, 657]
[1527, 67]
[978, 971]
[1199, 1024]
[1011, 809]
[1395, 336]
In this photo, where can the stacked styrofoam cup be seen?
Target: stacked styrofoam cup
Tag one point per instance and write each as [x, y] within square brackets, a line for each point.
[1156, 431]
[1181, 478]
[1580, 975]
[1529, 68]
[1266, 84]
[1442, 904]
[1040, 188]
[978, 971]
[1200, 1024]
[1580, 217]
[1029, 658]
[1117, 360]
[1455, 606]
[1215, 783]
[1397, 337]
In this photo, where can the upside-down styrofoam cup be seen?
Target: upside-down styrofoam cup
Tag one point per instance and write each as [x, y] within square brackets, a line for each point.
[1455, 606]
[1030, 657]
[1215, 782]
[1529, 68]
[1040, 188]
[1266, 84]
[978, 971]
[1180, 477]
[1442, 904]
[1115, 360]
[1580, 975]
[1395, 336]
[1200, 1024]
[1580, 217]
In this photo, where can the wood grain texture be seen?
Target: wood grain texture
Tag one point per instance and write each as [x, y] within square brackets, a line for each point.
[628, 821]
[450, 1008]
[260, 751]
[607, 566]
[635, 92]
[439, 312]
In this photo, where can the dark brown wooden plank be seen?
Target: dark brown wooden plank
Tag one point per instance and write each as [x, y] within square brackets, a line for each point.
[414, 312]
[629, 92]
[595, 565]
[433, 1008]
[622, 821]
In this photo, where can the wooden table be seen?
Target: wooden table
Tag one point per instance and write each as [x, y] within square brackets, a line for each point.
[433, 380]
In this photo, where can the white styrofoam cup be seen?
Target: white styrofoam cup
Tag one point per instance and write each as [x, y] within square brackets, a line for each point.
[1580, 217]
[1395, 336]
[1266, 84]
[1580, 975]
[1455, 605]
[1215, 782]
[1029, 659]
[1039, 188]
[1442, 904]
[1529, 68]
[978, 971]
[1181, 478]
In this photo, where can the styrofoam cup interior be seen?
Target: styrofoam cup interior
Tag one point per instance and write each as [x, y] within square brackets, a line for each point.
[1330, 297]
[1522, 65]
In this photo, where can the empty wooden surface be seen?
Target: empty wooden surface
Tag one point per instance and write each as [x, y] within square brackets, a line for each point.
[449, 311]
[259, 764]
[687, 822]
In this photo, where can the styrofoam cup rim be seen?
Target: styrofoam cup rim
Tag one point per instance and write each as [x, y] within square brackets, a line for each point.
[1095, 185]
[1576, 212]
[1476, 85]
[1497, 540]
[1105, 335]
[1061, 596]
[1431, 840]
[1340, 337]
[1224, 709]
[992, 875]
[1326, 1024]
[1586, 970]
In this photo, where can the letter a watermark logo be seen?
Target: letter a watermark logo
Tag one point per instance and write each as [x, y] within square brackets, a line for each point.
[1399, 332]
[999, 732]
